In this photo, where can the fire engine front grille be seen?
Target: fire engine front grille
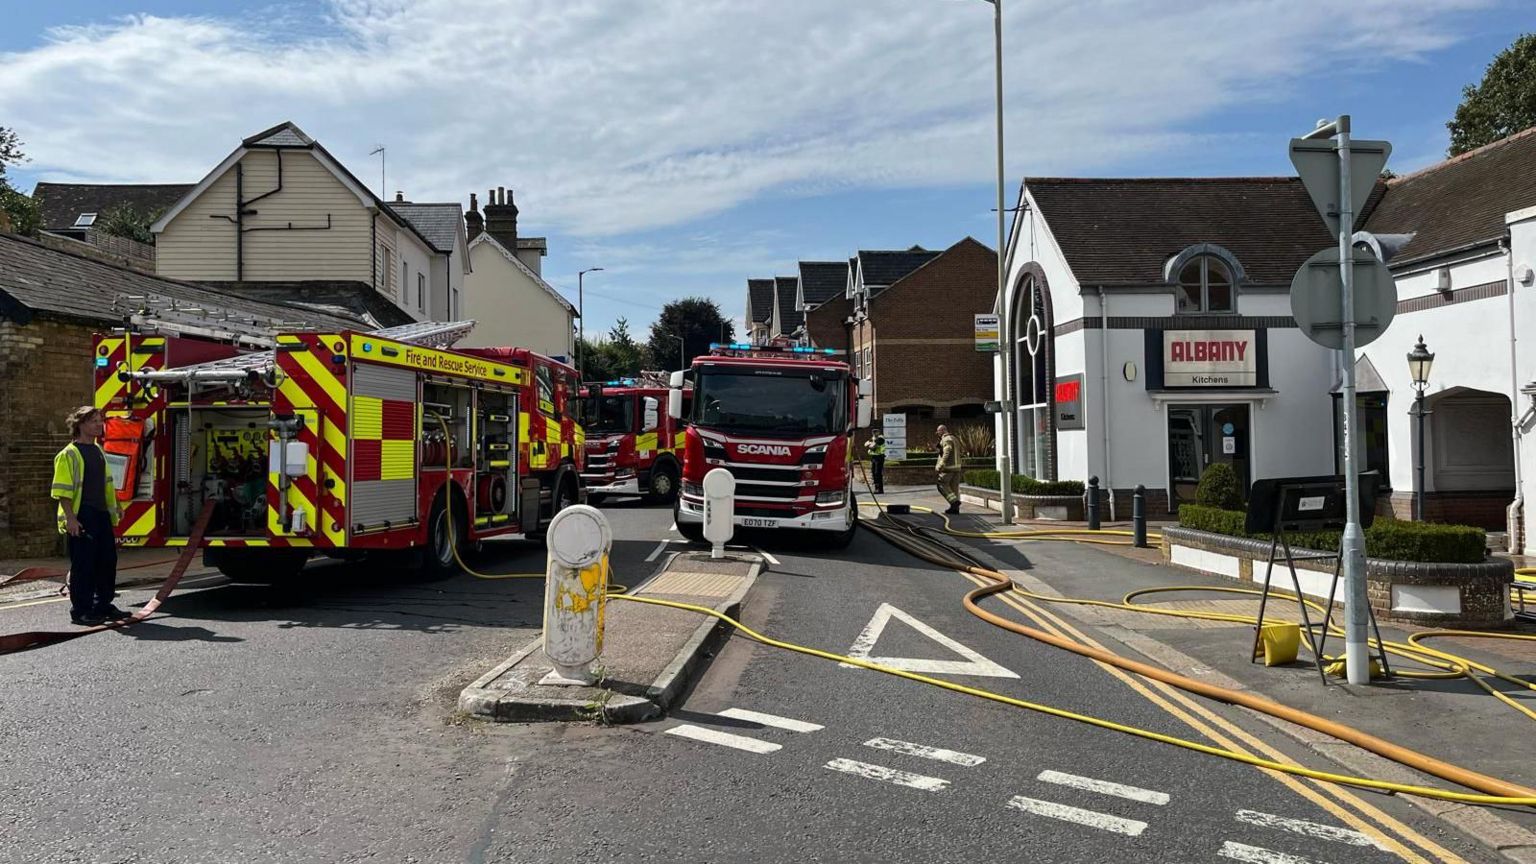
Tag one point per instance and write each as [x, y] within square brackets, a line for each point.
[748, 475]
[756, 490]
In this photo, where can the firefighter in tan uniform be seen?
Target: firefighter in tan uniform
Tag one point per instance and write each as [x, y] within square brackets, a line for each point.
[949, 469]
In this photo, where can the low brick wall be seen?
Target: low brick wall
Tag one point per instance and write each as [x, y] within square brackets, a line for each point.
[1448, 595]
[911, 474]
[1068, 508]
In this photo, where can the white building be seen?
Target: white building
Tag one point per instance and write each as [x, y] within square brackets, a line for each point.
[506, 293]
[1159, 316]
[1464, 282]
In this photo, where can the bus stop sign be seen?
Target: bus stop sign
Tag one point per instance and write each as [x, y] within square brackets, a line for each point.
[1317, 298]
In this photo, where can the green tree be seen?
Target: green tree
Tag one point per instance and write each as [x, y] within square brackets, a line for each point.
[125, 220]
[1502, 104]
[697, 320]
[626, 353]
[20, 208]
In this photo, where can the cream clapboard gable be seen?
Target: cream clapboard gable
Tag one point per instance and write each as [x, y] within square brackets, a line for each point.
[512, 305]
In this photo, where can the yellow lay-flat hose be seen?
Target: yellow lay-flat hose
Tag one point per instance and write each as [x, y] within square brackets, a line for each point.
[1450, 666]
[1492, 790]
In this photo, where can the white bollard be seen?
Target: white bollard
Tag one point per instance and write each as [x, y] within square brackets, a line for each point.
[719, 509]
[575, 593]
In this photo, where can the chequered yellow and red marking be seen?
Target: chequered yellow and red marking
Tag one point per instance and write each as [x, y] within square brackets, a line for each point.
[311, 385]
[383, 438]
[133, 401]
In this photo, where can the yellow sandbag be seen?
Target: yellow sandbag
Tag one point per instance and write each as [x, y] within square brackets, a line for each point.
[1278, 643]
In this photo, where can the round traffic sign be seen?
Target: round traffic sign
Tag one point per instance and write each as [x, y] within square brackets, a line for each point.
[1317, 302]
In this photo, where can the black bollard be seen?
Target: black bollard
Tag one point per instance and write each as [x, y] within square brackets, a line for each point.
[1139, 517]
[1093, 503]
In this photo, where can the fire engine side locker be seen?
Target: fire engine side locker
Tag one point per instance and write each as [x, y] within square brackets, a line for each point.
[381, 462]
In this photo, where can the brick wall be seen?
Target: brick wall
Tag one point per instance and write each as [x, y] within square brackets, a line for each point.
[922, 331]
[1485, 510]
[825, 324]
[45, 371]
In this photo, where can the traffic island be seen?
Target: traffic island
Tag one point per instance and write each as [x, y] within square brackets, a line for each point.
[650, 652]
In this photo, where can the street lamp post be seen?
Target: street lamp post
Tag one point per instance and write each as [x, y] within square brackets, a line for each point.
[581, 317]
[1420, 359]
[682, 358]
[1005, 343]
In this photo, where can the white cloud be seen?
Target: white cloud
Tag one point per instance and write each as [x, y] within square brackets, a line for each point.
[611, 117]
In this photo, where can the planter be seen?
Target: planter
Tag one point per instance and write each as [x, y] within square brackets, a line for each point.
[1432, 594]
[1066, 508]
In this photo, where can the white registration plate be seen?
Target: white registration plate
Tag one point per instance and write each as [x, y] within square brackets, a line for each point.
[748, 522]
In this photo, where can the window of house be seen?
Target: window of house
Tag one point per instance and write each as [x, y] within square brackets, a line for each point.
[405, 281]
[421, 290]
[869, 366]
[1205, 285]
[85, 220]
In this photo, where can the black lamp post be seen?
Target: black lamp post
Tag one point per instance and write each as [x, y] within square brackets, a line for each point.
[1420, 359]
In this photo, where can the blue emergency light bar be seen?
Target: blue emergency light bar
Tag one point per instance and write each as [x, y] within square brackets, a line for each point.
[747, 346]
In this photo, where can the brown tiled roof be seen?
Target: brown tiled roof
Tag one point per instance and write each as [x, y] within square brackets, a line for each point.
[1122, 231]
[62, 203]
[1461, 201]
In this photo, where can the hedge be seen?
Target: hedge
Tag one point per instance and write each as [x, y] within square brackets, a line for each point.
[989, 479]
[1387, 539]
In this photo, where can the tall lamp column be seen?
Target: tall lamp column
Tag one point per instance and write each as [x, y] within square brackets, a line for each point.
[1420, 359]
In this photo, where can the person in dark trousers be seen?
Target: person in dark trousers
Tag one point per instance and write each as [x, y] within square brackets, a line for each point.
[88, 509]
[876, 448]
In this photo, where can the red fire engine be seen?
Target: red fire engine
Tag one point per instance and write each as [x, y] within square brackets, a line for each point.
[632, 442]
[781, 420]
[339, 444]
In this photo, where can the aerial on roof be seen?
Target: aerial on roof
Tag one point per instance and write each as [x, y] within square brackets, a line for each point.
[785, 288]
[760, 300]
[821, 281]
[440, 224]
[1123, 231]
[1459, 202]
[880, 268]
[34, 278]
[61, 205]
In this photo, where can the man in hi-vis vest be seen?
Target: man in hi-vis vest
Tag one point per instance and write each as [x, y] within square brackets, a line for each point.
[88, 509]
[949, 469]
[876, 447]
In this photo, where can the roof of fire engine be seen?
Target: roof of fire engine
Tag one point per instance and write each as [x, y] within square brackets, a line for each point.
[36, 279]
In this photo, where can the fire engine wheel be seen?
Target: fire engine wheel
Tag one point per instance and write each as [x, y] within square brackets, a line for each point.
[440, 559]
[663, 485]
[841, 539]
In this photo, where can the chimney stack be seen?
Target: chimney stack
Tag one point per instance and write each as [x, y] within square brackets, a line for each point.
[501, 218]
[400, 197]
[473, 223]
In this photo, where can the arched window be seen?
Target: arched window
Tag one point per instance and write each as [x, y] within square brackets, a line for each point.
[1206, 286]
[1031, 379]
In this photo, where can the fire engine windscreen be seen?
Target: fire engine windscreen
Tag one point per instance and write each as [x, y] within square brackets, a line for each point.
[606, 414]
[788, 403]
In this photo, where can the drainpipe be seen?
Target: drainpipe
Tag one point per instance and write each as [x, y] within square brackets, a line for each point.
[1104, 394]
[239, 222]
[1514, 518]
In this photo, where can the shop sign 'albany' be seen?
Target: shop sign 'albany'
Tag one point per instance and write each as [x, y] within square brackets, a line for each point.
[1210, 358]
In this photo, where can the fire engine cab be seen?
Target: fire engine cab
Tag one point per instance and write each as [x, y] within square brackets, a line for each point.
[632, 442]
[339, 443]
[781, 420]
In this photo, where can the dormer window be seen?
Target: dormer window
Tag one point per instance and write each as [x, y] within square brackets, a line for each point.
[1206, 286]
[85, 220]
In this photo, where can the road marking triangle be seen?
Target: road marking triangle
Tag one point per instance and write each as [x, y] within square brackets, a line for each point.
[973, 664]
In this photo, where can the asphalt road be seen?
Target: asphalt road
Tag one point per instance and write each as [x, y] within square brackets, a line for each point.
[237, 729]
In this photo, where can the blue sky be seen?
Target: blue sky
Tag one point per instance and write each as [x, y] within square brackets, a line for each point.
[686, 145]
